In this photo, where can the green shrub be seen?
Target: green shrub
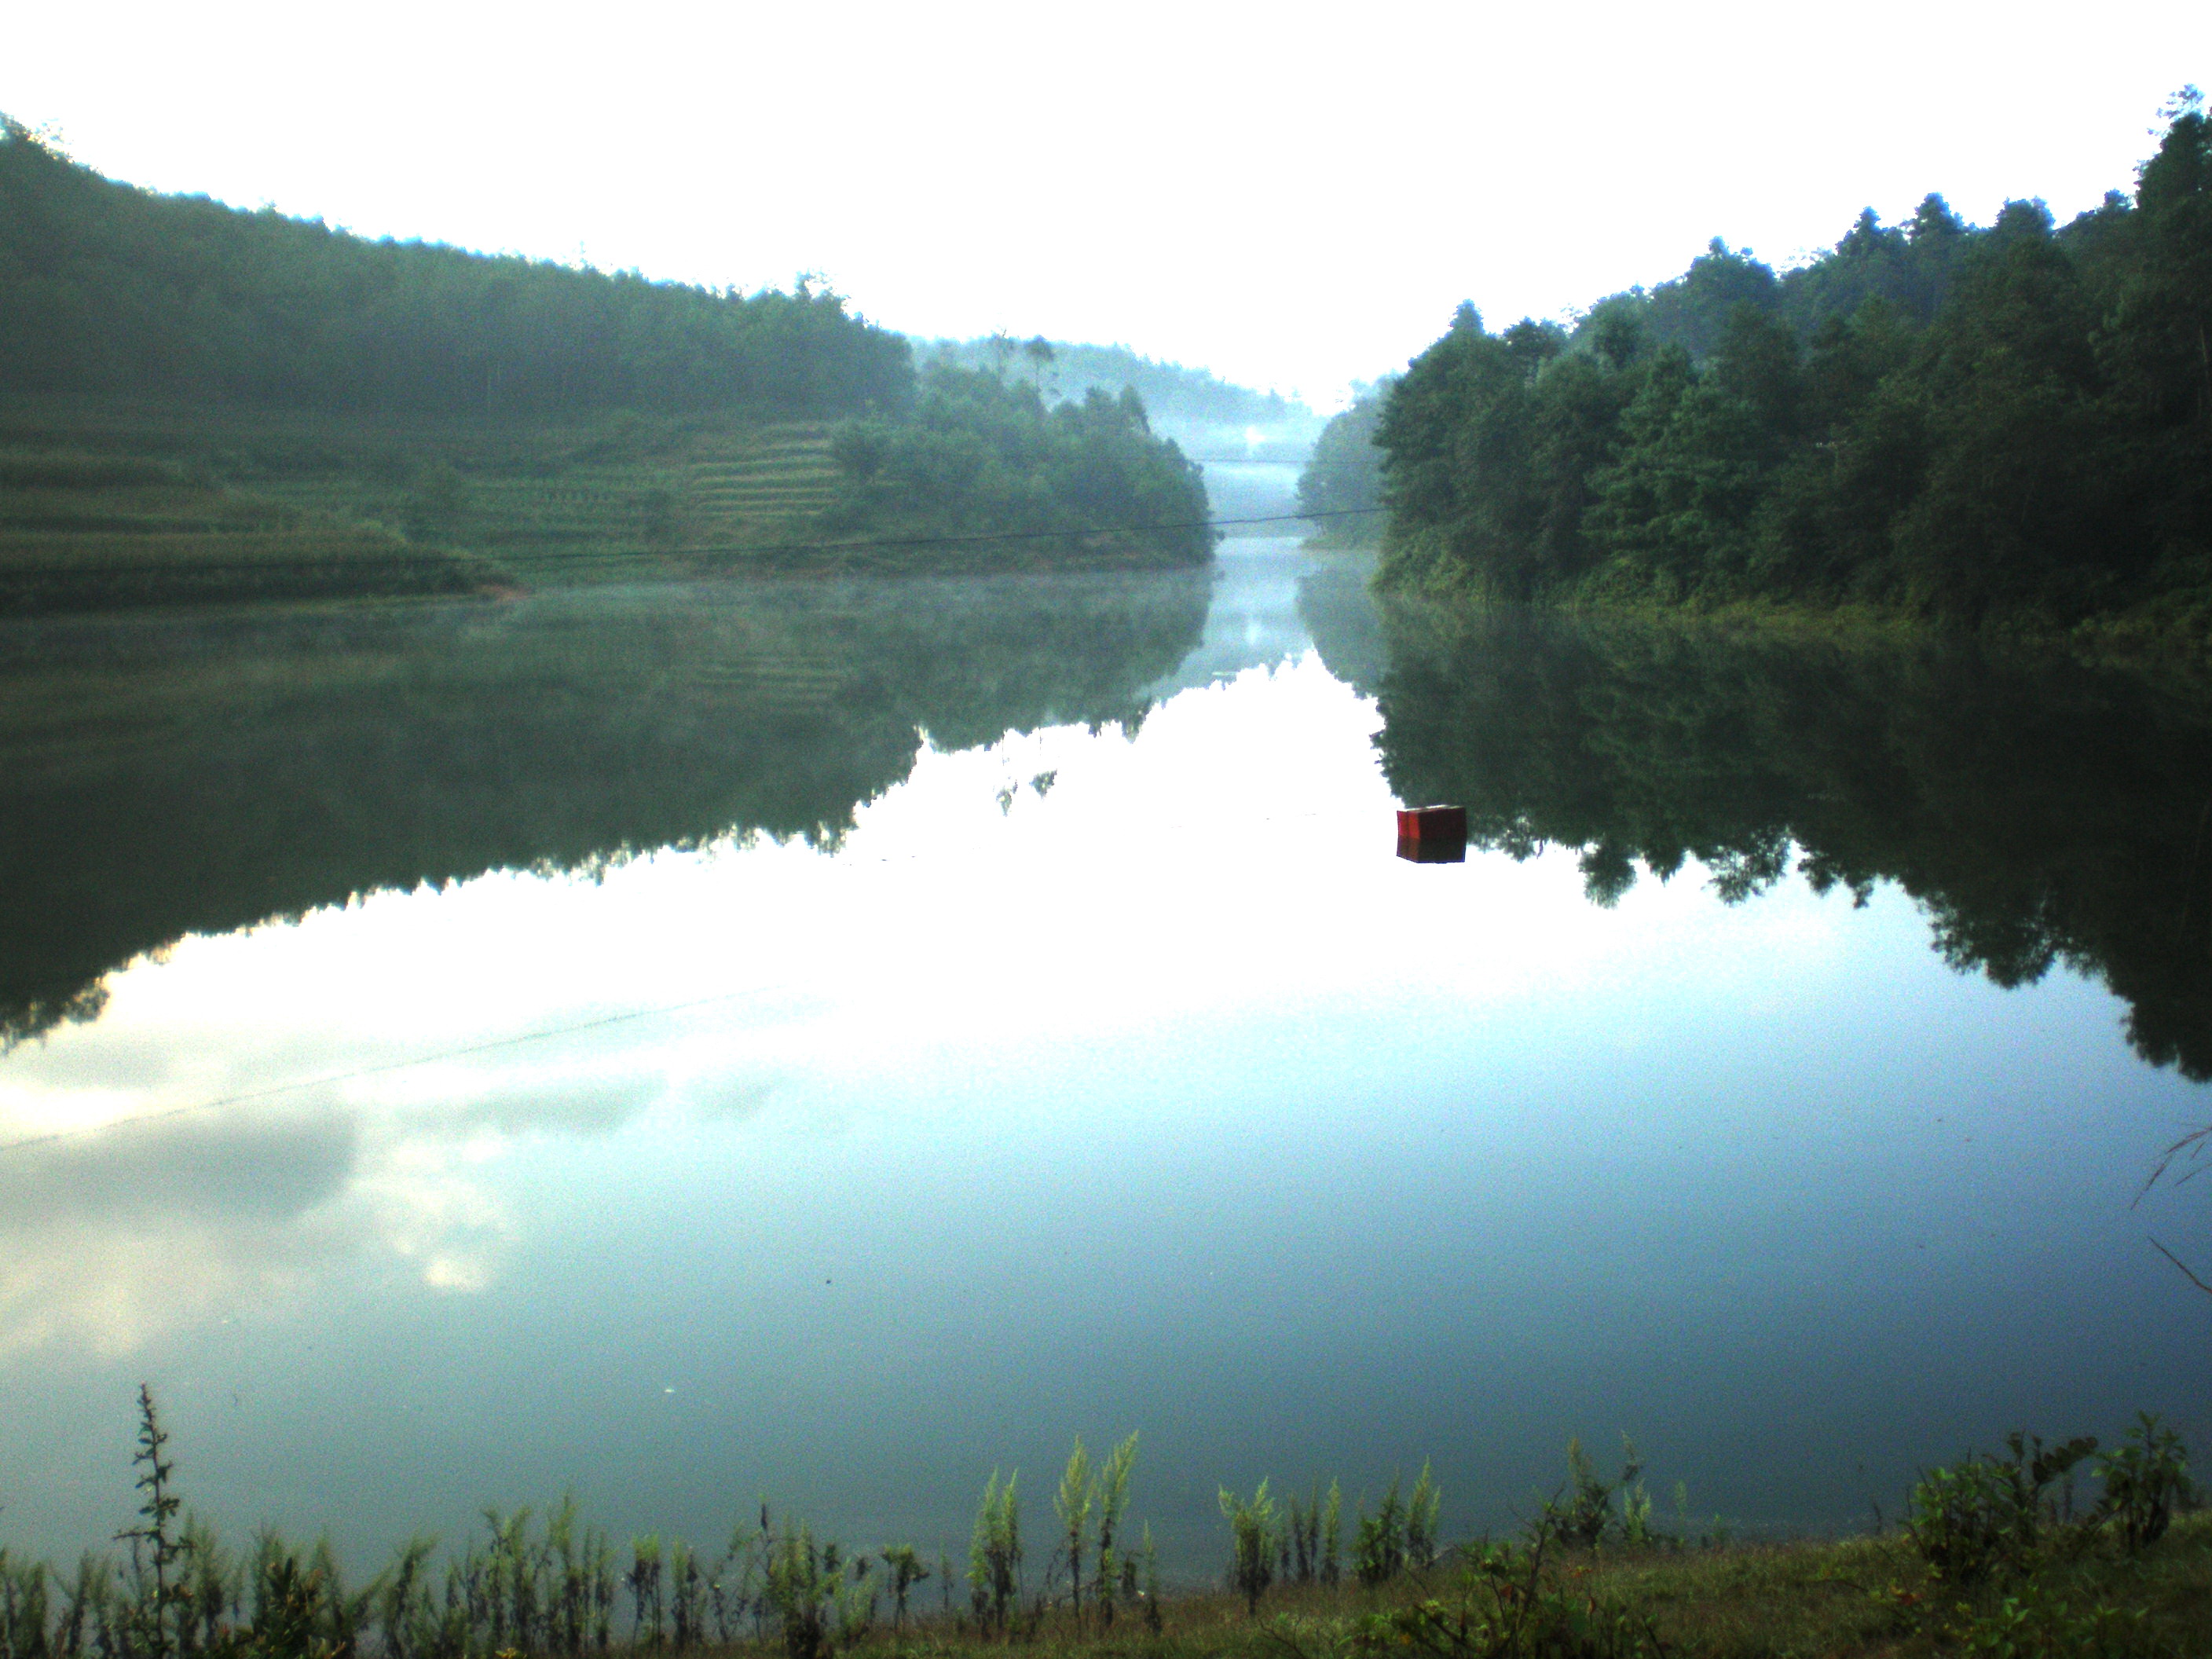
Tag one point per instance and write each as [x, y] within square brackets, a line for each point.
[22, 1608]
[803, 1582]
[2145, 1479]
[1512, 1603]
[1588, 1515]
[1990, 1515]
[2031, 1624]
[1378, 1541]
[1961, 1519]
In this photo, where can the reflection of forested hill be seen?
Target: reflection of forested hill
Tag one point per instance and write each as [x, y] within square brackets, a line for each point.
[1340, 615]
[158, 779]
[2038, 811]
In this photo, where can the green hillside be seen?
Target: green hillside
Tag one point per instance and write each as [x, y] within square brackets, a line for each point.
[200, 404]
[82, 529]
[108, 290]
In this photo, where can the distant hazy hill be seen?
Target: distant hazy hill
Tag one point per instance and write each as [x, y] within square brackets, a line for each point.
[1171, 393]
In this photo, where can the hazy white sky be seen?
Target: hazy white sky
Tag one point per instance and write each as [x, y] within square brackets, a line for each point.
[1293, 196]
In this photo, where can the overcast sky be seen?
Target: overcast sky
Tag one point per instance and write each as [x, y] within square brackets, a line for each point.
[1294, 196]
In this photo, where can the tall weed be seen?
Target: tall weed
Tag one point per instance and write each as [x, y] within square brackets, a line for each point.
[1073, 1503]
[995, 1556]
[1422, 1510]
[1112, 1498]
[1252, 1526]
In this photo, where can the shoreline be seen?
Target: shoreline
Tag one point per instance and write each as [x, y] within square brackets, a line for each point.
[2119, 640]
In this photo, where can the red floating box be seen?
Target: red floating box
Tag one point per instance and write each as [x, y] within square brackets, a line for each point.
[1433, 834]
[1433, 823]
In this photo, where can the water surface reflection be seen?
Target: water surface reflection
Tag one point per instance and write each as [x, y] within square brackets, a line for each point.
[678, 1082]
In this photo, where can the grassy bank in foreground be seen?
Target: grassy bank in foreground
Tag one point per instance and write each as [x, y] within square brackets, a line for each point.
[1867, 1597]
[1994, 1556]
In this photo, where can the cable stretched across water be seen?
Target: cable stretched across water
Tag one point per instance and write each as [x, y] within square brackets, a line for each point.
[298, 1084]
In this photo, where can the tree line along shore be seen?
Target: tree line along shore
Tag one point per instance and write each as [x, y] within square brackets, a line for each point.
[2006, 426]
[199, 403]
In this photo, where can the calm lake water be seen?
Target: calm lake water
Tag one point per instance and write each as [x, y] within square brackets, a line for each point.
[831, 1042]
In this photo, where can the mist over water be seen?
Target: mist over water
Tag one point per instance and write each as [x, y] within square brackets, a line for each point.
[835, 1041]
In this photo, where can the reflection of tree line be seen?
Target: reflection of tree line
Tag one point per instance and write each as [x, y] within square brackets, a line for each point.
[2039, 811]
[159, 779]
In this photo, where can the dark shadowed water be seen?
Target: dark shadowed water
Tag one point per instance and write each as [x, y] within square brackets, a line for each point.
[834, 1042]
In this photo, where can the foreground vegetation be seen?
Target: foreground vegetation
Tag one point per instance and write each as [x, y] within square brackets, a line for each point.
[2005, 426]
[1994, 1556]
[197, 403]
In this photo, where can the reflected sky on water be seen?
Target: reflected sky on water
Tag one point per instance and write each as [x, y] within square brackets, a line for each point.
[1112, 1074]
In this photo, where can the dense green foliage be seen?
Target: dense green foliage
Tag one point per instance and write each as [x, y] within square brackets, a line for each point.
[2008, 422]
[107, 290]
[1343, 475]
[983, 456]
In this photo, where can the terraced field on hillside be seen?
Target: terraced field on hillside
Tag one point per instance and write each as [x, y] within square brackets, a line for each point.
[739, 492]
[93, 532]
[773, 487]
[174, 503]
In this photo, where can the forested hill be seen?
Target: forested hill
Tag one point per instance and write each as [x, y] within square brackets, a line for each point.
[109, 289]
[2011, 422]
[1342, 483]
[200, 405]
